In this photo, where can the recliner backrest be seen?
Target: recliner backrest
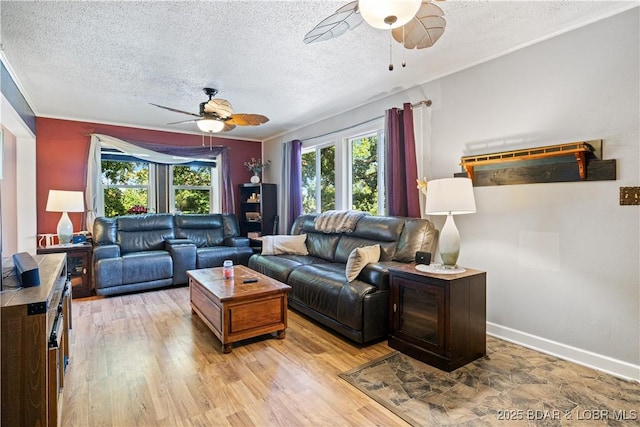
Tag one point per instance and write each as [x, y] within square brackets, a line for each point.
[137, 233]
[206, 230]
[104, 231]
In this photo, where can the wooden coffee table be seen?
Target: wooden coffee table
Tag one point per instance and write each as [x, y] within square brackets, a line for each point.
[235, 310]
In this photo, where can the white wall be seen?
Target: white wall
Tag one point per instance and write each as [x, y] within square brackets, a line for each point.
[19, 215]
[562, 259]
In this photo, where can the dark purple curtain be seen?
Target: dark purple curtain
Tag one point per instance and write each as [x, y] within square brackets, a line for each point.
[401, 166]
[201, 152]
[295, 183]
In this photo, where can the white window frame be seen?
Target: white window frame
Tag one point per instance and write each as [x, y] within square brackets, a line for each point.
[343, 161]
[150, 187]
[318, 148]
[379, 134]
[215, 193]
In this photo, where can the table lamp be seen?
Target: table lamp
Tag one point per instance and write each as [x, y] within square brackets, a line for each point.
[65, 201]
[450, 196]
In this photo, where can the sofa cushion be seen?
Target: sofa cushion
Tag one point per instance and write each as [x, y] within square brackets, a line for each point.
[359, 258]
[146, 266]
[279, 267]
[417, 235]
[323, 287]
[282, 245]
[144, 232]
[201, 229]
[104, 231]
[214, 257]
[322, 245]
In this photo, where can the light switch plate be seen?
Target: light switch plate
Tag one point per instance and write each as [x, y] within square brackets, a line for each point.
[629, 196]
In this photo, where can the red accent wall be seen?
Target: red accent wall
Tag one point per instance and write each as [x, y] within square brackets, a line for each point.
[62, 147]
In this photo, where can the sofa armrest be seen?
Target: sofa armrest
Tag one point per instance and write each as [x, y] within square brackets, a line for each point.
[105, 251]
[176, 242]
[236, 241]
[183, 254]
[377, 274]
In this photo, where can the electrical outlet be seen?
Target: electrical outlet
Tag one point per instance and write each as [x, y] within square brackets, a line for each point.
[629, 196]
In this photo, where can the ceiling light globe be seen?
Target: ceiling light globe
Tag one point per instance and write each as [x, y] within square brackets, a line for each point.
[210, 125]
[385, 14]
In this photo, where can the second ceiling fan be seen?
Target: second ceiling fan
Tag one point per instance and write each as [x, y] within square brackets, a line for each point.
[416, 24]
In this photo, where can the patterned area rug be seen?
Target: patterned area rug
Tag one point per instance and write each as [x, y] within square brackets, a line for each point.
[512, 385]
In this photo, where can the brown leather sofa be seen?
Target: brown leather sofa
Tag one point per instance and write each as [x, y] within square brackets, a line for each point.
[358, 309]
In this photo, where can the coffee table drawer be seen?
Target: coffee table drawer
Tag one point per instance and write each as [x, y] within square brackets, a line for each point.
[256, 314]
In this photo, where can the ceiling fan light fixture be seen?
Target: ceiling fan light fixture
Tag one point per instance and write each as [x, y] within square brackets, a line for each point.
[210, 125]
[385, 14]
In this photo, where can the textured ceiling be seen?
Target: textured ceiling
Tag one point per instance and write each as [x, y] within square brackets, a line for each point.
[106, 61]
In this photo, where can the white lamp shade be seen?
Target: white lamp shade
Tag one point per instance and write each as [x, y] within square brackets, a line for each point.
[385, 14]
[65, 201]
[210, 125]
[450, 196]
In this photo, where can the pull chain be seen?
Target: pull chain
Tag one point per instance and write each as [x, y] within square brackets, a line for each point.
[390, 54]
[404, 63]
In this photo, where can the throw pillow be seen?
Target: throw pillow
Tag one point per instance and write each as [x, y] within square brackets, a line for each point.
[359, 258]
[281, 245]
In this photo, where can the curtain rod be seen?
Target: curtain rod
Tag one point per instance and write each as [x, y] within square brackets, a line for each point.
[424, 102]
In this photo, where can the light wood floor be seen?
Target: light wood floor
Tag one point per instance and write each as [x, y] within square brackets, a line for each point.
[145, 360]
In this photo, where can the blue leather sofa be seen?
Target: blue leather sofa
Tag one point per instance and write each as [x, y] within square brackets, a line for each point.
[142, 252]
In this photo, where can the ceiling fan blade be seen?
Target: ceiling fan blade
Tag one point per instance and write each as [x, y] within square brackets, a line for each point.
[247, 119]
[227, 127]
[183, 121]
[175, 110]
[346, 18]
[424, 29]
[221, 107]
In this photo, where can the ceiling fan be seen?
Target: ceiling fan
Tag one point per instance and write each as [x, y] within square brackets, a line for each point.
[416, 24]
[216, 115]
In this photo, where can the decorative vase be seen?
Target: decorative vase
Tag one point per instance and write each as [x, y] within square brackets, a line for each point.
[255, 179]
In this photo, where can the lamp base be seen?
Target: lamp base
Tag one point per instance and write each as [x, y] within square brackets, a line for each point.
[65, 229]
[449, 243]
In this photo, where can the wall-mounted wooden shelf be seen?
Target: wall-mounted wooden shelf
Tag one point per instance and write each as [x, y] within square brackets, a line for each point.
[573, 161]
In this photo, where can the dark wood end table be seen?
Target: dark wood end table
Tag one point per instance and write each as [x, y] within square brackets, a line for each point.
[439, 319]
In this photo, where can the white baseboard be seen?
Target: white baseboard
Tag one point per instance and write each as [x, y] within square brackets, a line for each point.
[618, 368]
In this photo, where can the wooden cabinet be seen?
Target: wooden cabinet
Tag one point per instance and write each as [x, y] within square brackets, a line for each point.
[258, 209]
[35, 345]
[79, 266]
[439, 319]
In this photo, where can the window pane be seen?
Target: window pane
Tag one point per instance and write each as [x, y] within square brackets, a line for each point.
[364, 174]
[192, 201]
[309, 182]
[122, 181]
[191, 175]
[125, 173]
[328, 178]
[118, 200]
